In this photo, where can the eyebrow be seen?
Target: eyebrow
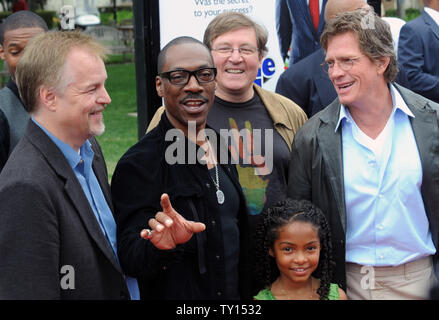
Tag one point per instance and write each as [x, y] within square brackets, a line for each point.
[290, 243]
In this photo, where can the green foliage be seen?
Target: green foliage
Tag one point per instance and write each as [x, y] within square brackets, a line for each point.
[411, 14]
[107, 17]
[48, 16]
[120, 127]
[391, 13]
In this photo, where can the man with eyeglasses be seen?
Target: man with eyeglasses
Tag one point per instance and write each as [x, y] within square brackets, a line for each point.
[179, 180]
[259, 125]
[238, 46]
[369, 160]
[305, 82]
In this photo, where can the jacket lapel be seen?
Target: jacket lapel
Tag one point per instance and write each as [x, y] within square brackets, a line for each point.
[304, 8]
[73, 189]
[425, 127]
[431, 24]
[331, 147]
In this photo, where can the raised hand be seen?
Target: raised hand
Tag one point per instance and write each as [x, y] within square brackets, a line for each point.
[169, 228]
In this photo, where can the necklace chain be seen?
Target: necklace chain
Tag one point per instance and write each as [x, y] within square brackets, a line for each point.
[217, 185]
[219, 194]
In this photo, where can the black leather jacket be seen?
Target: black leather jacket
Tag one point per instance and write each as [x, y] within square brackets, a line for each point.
[196, 269]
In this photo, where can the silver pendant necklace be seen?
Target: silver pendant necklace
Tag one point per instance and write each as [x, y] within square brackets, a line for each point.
[219, 194]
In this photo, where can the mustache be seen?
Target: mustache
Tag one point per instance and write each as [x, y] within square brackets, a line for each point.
[194, 96]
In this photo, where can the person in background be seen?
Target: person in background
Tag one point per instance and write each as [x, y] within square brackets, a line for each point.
[369, 160]
[19, 5]
[417, 51]
[57, 230]
[299, 24]
[15, 32]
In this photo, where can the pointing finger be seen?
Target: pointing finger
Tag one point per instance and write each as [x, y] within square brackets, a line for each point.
[166, 206]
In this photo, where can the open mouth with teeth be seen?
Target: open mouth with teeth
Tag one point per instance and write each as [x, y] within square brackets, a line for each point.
[97, 113]
[345, 86]
[194, 106]
[234, 71]
[299, 271]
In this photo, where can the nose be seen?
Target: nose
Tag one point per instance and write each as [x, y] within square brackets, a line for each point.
[193, 84]
[104, 97]
[235, 56]
[335, 71]
[299, 258]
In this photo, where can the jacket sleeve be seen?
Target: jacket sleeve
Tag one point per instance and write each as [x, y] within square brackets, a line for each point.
[299, 176]
[136, 198]
[295, 88]
[411, 57]
[284, 27]
[29, 243]
[4, 140]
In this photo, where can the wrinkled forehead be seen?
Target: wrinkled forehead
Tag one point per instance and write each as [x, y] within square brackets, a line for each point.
[20, 35]
[188, 56]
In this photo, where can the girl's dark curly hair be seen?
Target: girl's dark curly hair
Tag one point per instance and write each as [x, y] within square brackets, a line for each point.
[267, 231]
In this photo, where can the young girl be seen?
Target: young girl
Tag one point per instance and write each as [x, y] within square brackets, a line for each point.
[294, 254]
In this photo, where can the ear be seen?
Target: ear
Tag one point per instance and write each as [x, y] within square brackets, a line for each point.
[382, 64]
[48, 98]
[261, 58]
[2, 53]
[270, 252]
[159, 86]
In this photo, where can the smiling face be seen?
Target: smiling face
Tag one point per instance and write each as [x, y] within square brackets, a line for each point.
[13, 46]
[297, 251]
[236, 73]
[192, 101]
[356, 86]
[79, 103]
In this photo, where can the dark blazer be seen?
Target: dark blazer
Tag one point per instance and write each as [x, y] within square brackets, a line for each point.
[13, 120]
[316, 168]
[46, 223]
[196, 269]
[418, 48]
[307, 84]
[294, 28]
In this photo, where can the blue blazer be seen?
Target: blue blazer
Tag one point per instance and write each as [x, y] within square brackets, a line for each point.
[418, 49]
[294, 27]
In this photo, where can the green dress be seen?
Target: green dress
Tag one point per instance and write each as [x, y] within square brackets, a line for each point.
[266, 293]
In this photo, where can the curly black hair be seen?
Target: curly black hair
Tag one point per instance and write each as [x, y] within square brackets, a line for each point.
[267, 231]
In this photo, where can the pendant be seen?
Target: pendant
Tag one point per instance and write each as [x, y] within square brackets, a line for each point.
[220, 196]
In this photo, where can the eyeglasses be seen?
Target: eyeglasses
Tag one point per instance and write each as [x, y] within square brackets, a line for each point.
[181, 77]
[243, 51]
[344, 64]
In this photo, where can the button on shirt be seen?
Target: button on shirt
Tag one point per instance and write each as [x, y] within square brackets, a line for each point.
[386, 220]
[81, 163]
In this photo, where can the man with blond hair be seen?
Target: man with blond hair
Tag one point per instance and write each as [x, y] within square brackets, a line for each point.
[57, 231]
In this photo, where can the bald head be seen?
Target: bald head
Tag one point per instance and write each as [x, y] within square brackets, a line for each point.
[335, 7]
[433, 4]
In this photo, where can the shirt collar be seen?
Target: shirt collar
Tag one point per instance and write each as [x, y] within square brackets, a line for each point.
[398, 103]
[73, 157]
[433, 14]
